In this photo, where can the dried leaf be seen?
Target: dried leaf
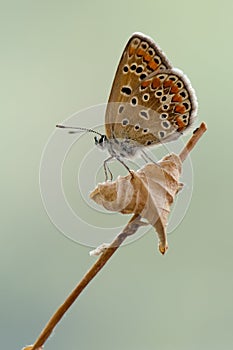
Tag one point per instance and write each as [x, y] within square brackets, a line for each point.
[149, 192]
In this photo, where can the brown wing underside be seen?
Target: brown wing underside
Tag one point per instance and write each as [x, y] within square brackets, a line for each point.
[150, 102]
[146, 57]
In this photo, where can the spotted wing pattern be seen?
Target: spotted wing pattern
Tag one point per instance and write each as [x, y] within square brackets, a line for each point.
[150, 102]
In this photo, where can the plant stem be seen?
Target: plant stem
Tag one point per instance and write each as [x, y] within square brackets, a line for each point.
[197, 134]
[129, 229]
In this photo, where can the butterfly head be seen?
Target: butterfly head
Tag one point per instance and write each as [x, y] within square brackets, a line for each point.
[101, 141]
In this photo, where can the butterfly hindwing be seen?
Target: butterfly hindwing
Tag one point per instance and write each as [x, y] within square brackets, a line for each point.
[160, 109]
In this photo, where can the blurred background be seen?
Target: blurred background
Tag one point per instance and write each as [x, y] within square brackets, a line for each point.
[58, 58]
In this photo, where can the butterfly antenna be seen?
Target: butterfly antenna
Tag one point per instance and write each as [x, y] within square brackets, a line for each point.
[78, 129]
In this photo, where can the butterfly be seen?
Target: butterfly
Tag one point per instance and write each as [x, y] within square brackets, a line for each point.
[150, 102]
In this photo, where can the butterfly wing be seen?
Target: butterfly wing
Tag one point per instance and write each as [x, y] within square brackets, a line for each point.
[160, 109]
[141, 57]
[150, 102]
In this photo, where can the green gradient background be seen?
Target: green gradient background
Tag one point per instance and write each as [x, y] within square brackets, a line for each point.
[58, 57]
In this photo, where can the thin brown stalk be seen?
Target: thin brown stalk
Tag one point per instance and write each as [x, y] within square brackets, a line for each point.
[197, 134]
[129, 229]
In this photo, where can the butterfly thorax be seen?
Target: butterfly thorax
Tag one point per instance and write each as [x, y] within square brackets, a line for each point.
[118, 148]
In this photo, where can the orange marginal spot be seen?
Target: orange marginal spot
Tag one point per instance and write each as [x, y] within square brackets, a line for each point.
[146, 57]
[174, 89]
[168, 83]
[146, 83]
[153, 65]
[180, 109]
[156, 83]
[131, 50]
[181, 124]
[177, 98]
[141, 52]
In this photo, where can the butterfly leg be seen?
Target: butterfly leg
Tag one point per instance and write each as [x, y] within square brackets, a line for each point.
[145, 157]
[121, 161]
[107, 170]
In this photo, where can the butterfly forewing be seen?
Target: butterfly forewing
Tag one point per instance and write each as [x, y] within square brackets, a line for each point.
[150, 101]
[141, 57]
